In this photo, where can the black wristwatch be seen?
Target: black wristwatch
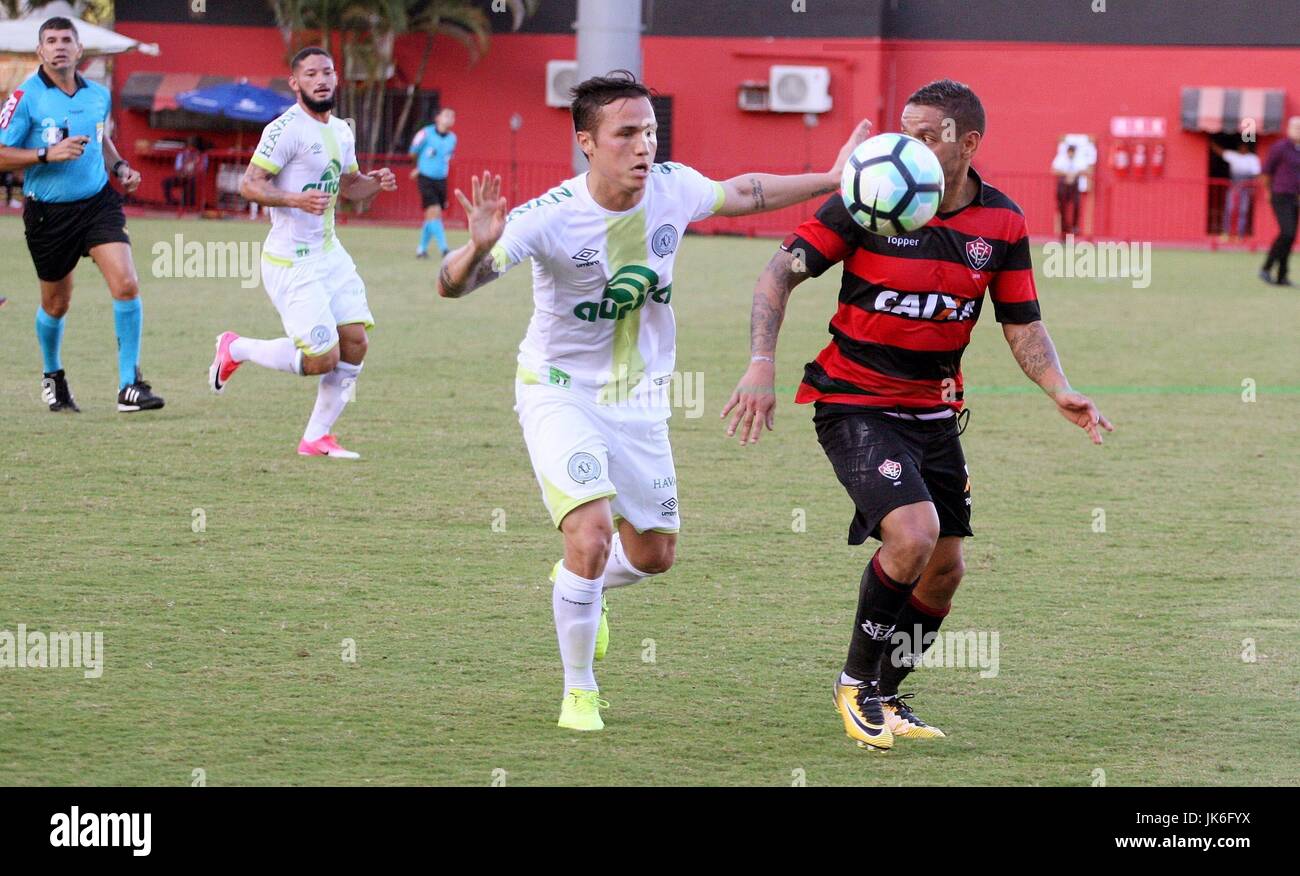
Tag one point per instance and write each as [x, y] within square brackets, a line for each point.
[117, 165]
[41, 156]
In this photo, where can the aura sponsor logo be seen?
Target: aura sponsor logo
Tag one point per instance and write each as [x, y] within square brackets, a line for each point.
[625, 293]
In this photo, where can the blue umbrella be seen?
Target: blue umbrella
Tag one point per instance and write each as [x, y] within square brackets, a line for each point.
[236, 100]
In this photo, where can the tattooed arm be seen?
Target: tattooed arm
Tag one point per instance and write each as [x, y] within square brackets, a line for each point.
[754, 400]
[1036, 354]
[760, 192]
[464, 270]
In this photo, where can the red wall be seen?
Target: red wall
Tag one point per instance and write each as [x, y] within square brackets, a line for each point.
[1033, 93]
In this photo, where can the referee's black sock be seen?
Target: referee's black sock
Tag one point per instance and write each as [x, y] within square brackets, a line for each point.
[920, 623]
[880, 599]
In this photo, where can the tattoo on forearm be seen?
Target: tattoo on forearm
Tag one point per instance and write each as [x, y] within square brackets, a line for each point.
[450, 289]
[769, 309]
[479, 274]
[825, 190]
[760, 201]
[1036, 354]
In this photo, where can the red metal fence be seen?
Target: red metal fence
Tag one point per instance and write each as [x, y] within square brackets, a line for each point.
[1159, 210]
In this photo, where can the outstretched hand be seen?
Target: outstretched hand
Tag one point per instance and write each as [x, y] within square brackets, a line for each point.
[486, 212]
[860, 133]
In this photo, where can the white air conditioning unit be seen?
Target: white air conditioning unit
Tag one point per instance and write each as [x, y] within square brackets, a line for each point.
[560, 77]
[799, 89]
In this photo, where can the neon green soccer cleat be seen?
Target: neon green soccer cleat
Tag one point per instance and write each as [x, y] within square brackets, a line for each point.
[580, 710]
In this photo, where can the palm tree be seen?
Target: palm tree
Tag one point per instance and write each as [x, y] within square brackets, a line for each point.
[368, 31]
[464, 22]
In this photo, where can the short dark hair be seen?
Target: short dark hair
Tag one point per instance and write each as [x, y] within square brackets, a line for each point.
[304, 54]
[58, 22]
[592, 94]
[956, 101]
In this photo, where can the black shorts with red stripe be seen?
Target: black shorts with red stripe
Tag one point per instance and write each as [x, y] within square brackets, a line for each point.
[885, 462]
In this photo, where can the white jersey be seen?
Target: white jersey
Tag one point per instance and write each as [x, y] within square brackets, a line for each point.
[602, 322]
[304, 154]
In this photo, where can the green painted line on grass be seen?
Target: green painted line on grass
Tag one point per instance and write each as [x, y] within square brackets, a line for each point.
[1117, 390]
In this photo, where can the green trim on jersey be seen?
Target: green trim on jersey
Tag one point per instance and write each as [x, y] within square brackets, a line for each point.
[720, 197]
[336, 155]
[625, 240]
[266, 164]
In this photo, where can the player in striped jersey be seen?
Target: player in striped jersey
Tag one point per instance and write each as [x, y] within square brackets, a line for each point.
[596, 363]
[888, 389]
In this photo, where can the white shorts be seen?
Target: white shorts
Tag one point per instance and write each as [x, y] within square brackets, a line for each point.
[583, 451]
[315, 295]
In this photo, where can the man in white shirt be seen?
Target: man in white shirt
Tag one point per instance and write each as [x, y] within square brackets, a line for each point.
[595, 366]
[1070, 169]
[1243, 167]
[305, 161]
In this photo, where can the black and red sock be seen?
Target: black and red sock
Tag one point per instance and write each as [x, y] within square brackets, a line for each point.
[880, 600]
[921, 624]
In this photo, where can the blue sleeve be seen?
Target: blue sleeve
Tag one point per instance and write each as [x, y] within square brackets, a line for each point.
[16, 122]
[416, 142]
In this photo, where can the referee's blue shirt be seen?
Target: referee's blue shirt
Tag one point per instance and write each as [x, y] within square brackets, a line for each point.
[434, 151]
[38, 114]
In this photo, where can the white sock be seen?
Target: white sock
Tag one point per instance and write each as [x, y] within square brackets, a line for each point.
[845, 678]
[576, 604]
[331, 396]
[280, 354]
[618, 571]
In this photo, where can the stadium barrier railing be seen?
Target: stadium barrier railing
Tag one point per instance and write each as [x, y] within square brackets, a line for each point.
[1161, 210]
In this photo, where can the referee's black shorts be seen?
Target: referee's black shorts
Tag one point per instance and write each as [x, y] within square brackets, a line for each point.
[433, 192]
[60, 233]
[885, 462]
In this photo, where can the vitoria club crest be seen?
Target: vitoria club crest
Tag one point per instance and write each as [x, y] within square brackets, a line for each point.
[891, 469]
[978, 253]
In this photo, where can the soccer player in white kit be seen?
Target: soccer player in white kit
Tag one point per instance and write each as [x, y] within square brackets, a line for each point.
[305, 161]
[594, 367]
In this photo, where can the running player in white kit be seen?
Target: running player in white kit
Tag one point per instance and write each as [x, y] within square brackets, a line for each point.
[595, 365]
[305, 161]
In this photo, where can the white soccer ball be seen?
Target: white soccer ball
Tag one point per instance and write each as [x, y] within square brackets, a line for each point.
[892, 184]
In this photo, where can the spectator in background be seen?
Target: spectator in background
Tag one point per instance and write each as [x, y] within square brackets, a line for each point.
[433, 145]
[190, 162]
[1069, 169]
[1282, 181]
[1243, 167]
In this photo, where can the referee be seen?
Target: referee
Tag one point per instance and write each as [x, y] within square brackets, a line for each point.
[52, 127]
[433, 146]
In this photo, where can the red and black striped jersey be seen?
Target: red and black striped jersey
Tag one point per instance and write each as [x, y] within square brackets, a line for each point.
[908, 303]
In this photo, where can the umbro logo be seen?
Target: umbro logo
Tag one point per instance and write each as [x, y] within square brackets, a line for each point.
[586, 257]
[315, 149]
[670, 503]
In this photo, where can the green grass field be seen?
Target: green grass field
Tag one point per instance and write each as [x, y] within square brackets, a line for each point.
[1120, 651]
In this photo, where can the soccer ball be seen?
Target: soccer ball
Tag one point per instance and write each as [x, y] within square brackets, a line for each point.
[892, 184]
